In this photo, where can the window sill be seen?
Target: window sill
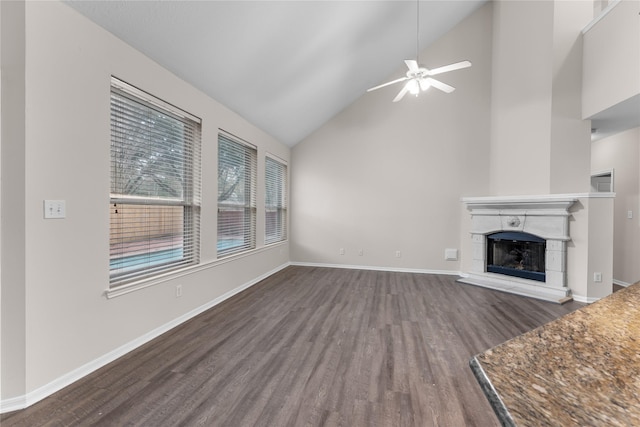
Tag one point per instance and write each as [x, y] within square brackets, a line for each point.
[175, 274]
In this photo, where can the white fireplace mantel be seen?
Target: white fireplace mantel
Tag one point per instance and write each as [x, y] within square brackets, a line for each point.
[546, 216]
[553, 201]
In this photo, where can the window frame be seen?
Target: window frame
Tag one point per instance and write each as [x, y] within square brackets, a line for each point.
[246, 161]
[281, 200]
[126, 266]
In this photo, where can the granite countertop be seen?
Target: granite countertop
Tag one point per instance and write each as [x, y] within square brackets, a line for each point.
[582, 369]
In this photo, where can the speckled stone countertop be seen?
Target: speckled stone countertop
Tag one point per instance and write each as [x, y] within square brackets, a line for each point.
[582, 369]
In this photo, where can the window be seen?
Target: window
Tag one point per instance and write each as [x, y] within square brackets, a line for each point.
[275, 201]
[236, 196]
[155, 183]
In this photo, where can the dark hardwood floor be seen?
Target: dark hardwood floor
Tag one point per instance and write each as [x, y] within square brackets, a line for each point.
[309, 347]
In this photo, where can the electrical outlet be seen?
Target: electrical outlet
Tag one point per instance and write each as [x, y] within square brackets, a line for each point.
[178, 291]
[398, 254]
[360, 252]
[597, 277]
[341, 251]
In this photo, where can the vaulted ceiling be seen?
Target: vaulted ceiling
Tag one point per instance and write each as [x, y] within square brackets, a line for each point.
[286, 66]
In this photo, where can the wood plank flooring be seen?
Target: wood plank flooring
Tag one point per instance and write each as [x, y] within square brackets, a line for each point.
[309, 347]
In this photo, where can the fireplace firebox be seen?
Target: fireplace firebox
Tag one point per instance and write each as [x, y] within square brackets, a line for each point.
[515, 253]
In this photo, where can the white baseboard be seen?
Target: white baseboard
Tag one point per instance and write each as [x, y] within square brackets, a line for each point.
[592, 300]
[21, 402]
[621, 283]
[374, 268]
[586, 300]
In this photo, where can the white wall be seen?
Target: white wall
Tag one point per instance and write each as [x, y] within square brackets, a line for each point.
[383, 176]
[12, 216]
[621, 152]
[590, 249]
[612, 59]
[570, 155]
[539, 142]
[521, 97]
[600, 257]
[60, 311]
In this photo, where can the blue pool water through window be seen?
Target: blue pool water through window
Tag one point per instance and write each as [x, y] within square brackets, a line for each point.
[160, 257]
[146, 260]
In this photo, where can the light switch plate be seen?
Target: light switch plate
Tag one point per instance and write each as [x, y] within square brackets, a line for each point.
[55, 209]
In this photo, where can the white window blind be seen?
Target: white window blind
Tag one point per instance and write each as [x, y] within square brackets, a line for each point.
[237, 171]
[155, 186]
[275, 201]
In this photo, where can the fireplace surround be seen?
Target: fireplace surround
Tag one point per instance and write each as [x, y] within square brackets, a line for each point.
[537, 219]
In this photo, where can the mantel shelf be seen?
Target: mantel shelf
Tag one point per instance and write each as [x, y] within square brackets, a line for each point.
[552, 202]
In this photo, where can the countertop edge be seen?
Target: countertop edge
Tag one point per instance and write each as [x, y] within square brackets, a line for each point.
[496, 403]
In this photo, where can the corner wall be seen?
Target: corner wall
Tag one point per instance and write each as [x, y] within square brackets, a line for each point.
[383, 177]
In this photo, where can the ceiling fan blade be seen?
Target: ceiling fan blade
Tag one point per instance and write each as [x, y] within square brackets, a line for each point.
[403, 92]
[401, 79]
[439, 85]
[412, 65]
[450, 67]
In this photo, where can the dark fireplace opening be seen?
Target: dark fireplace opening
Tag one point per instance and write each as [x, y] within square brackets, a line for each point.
[516, 254]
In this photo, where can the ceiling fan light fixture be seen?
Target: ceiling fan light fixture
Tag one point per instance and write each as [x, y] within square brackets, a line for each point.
[414, 87]
[417, 78]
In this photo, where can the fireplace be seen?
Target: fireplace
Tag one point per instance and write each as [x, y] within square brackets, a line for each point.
[519, 245]
[516, 254]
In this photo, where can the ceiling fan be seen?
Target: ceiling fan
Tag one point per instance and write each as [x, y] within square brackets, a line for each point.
[419, 78]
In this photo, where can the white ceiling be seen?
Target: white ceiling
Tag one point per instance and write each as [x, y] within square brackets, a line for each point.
[286, 66]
